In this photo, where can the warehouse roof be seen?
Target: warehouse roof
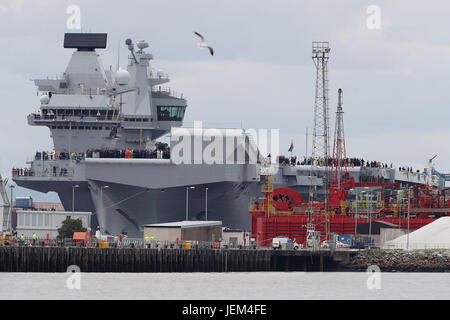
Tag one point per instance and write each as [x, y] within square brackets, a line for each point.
[184, 224]
[226, 229]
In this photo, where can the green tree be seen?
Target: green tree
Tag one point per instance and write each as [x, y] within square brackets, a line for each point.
[69, 226]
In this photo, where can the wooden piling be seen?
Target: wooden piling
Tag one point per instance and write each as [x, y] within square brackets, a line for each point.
[58, 259]
[321, 262]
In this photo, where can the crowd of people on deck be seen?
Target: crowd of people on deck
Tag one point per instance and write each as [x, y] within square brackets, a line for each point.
[162, 151]
[348, 162]
[58, 156]
[318, 161]
[27, 172]
[288, 161]
[22, 172]
[407, 169]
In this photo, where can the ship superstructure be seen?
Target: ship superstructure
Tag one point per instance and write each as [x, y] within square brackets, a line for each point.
[90, 112]
[89, 107]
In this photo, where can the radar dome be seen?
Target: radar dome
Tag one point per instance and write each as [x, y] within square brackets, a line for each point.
[45, 99]
[122, 77]
[142, 44]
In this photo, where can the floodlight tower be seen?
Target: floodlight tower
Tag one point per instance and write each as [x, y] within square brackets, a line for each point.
[338, 168]
[320, 143]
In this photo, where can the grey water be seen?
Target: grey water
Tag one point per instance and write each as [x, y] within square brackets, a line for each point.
[211, 286]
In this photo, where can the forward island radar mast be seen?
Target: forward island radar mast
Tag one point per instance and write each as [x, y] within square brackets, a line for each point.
[339, 170]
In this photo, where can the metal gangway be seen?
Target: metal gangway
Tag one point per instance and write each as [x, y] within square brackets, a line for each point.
[5, 206]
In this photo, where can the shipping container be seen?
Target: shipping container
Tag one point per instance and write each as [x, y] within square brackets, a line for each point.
[23, 202]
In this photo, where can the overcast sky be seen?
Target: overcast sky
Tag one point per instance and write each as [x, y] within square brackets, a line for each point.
[396, 92]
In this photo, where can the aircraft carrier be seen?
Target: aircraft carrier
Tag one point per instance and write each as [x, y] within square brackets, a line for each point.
[92, 113]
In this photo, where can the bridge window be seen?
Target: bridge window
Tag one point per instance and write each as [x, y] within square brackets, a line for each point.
[170, 113]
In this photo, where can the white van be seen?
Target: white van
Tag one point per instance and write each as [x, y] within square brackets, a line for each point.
[284, 243]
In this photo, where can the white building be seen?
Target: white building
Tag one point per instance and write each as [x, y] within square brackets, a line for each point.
[184, 230]
[47, 222]
[235, 237]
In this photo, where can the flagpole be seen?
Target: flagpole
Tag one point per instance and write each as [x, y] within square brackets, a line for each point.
[306, 149]
[291, 147]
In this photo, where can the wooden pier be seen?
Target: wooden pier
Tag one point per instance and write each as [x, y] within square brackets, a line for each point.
[58, 259]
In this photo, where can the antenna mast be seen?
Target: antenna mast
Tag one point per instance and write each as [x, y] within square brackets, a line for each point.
[338, 169]
[118, 56]
[320, 143]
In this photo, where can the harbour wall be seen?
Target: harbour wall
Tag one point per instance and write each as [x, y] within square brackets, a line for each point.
[58, 259]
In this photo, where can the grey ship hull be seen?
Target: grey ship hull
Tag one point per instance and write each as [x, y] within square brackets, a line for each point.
[153, 191]
[127, 194]
[227, 201]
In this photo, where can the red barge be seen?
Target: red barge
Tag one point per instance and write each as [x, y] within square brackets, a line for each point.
[282, 212]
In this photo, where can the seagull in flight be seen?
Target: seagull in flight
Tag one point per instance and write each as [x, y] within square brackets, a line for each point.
[203, 44]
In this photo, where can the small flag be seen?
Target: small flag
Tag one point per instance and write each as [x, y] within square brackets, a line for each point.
[291, 147]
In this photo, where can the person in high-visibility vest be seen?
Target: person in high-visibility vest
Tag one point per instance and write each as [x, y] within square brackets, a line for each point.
[22, 237]
[34, 238]
[149, 241]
